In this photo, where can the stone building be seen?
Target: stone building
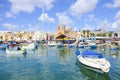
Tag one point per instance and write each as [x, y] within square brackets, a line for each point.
[67, 31]
[118, 33]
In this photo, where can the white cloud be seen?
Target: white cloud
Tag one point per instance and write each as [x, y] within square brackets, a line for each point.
[29, 25]
[33, 28]
[63, 19]
[9, 15]
[115, 4]
[29, 6]
[10, 26]
[82, 6]
[117, 16]
[109, 26]
[92, 18]
[45, 18]
[116, 24]
[88, 27]
[105, 24]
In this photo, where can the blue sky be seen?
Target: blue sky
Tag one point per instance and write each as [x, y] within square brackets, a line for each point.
[19, 15]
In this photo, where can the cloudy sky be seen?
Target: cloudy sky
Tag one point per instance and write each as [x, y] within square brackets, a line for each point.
[19, 15]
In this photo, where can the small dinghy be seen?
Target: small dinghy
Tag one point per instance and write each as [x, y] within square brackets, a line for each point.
[13, 51]
[29, 47]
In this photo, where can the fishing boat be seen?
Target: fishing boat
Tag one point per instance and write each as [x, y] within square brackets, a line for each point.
[94, 60]
[3, 46]
[51, 44]
[11, 43]
[31, 46]
[14, 51]
[59, 45]
[36, 44]
[82, 45]
[92, 45]
[114, 46]
[73, 44]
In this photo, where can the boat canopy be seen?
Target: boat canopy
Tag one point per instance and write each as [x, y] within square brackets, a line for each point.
[90, 54]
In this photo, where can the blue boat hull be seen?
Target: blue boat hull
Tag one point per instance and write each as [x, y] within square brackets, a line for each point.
[2, 48]
[81, 46]
[59, 46]
[114, 49]
[92, 47]
[70, 46]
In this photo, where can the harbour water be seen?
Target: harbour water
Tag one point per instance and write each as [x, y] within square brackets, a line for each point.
[50, 63]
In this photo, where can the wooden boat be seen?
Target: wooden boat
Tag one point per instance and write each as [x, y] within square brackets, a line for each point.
[3, 46]
[60, 45]
[82, 45]
[11, 43]
[73, 44]
[51, 44]
[29, 47]
[14, 51]
[92, 45]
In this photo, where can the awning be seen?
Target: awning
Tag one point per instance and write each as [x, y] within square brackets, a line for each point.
[63, 37]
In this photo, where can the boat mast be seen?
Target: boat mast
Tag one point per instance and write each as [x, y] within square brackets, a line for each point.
[43, 13]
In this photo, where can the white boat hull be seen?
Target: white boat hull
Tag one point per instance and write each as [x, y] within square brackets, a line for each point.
[29, 47]
[100, 64]
[12, 52]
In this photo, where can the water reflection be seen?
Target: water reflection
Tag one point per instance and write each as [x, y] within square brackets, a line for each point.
[115, 53]
[51, 63]
[63, 52]
[90, 74]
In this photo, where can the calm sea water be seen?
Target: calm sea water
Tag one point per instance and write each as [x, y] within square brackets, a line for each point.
[55, 64]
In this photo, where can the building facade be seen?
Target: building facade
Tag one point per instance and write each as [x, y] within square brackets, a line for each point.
[65, 30]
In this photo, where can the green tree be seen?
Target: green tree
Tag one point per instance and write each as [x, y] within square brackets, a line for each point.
[1, 38]
[104, 34]
[83, 31]
[92, 34]
[11, 38]
[110, 34]
[87, 33]
[98, 34]
[20, 36]
[30, 37]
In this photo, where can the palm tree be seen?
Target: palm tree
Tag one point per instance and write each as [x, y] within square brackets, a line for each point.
[104, 34]
[20, 36]
[1, 37]
[83, 31]
[30, 37]
[98, 34]
[110, 34]
[11, 38]
[91, 34]
[87, 33]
